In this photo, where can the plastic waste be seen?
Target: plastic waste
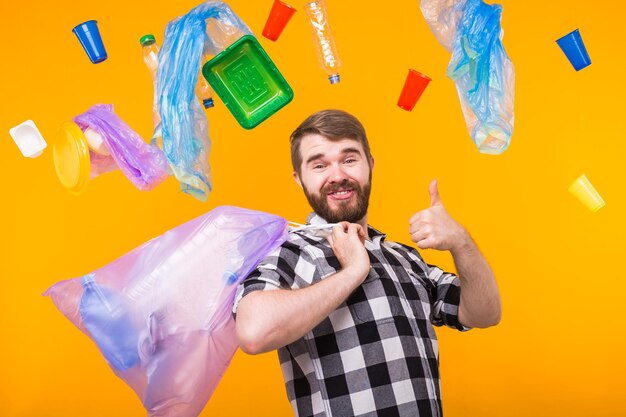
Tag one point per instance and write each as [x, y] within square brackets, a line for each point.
[28, 139]
[95, 142]
[248, 82]
[150, 52]
[322, 230]
[143, 164]
[105, 315]
[162, 314]
[323, 39]
[480, 68]
[185, 135]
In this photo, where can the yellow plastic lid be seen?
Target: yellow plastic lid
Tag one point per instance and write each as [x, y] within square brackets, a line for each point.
[70, 154]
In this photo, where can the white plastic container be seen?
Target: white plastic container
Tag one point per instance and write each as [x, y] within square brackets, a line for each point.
[28, 139]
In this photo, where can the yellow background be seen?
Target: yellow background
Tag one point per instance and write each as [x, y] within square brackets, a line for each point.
[559, 349]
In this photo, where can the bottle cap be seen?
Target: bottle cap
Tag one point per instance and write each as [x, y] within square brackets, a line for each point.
[208, 103]
[334, 79]
[147, 40]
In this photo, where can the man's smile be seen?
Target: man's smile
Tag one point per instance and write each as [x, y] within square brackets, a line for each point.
[343, 194]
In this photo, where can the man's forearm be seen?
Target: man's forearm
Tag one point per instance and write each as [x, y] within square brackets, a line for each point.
[267, 320]
[480, 304]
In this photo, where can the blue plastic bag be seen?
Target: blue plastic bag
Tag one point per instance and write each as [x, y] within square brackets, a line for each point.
[184, 126]
[162, 314]
[480, 68]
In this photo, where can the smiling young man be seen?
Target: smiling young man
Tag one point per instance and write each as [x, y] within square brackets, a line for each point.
[352, 313]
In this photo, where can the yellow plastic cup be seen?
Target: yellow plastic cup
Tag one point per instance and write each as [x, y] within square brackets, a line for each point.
[585, 192]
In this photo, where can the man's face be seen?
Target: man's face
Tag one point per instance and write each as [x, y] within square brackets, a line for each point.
[336, 178]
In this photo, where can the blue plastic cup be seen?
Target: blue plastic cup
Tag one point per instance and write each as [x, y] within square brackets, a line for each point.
[89, 37]
[574, 48]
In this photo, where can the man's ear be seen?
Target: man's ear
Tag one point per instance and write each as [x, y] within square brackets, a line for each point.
[372, 162]
[296, 177]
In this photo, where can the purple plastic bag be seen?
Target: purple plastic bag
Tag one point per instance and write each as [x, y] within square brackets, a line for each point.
[143, 164]
[162, 314]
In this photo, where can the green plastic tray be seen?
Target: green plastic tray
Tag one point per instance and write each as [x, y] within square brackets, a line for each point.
[248, 82]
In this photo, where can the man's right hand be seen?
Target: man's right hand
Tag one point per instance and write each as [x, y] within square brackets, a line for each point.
[347, 241]
[267, 320]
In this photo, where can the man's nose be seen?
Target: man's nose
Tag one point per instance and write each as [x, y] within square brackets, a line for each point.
[337, 173]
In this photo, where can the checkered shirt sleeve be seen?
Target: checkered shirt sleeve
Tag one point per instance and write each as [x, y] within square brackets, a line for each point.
[445, 293]
[287, 267]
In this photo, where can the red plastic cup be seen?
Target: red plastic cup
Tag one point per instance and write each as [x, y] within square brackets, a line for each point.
[414, 86]
[277, 20]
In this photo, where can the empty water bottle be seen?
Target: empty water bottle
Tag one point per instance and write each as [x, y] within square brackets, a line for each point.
[105, 314]
[323, 39]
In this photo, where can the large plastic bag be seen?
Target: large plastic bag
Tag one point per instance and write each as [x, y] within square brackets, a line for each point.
[162, 314]
[480, 68]
[184, 126]
[143, 164]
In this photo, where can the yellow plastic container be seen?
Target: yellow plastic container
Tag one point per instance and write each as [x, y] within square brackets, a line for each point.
[70, 154]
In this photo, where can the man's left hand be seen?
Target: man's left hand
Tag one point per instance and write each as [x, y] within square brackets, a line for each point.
[433, 228]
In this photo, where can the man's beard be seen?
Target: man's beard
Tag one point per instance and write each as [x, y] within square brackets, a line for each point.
[346, 210]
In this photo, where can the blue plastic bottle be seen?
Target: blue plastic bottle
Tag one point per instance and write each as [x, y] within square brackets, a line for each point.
[106, 317]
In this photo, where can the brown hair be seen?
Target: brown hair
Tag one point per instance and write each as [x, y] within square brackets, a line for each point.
[333, 125]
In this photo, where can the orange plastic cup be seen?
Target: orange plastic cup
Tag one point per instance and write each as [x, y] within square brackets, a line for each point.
[277, 20]
[414, 86]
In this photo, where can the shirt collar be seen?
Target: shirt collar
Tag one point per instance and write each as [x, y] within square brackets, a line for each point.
[317, 220]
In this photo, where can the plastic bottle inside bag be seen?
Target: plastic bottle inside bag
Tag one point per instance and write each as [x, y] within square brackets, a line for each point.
[107, 318]
[95, 142]
[323, 39]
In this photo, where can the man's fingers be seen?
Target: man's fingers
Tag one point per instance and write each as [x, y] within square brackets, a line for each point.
[425, 244]
[359, 231]
[344, 225]
[418, 235]
[416, 217]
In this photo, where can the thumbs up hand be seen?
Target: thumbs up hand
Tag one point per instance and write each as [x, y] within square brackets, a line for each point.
[433, 228]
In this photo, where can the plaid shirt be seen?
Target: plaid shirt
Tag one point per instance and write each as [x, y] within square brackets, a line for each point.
[376, 354]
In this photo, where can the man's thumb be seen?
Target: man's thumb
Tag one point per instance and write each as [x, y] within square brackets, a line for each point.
[435, 200]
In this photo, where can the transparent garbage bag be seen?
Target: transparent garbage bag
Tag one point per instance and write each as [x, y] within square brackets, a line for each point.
[184, 126]
[143, 164]
[161, 315]
[480, 68]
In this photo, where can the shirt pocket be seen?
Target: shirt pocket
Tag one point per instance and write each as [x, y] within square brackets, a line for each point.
[375, 300]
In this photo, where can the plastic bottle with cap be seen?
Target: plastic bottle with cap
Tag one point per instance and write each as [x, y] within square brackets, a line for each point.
[106, 316]
[323, 39]
[150, 51]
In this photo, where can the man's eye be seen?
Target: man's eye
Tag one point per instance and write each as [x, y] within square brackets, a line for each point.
[350, 160]
[318, 166]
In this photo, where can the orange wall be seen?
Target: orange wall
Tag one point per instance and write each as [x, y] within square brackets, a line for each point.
[559, 349]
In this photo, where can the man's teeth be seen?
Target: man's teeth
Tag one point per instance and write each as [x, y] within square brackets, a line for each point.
[341, 192]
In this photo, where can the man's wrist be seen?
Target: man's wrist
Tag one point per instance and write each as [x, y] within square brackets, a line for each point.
[463, 244]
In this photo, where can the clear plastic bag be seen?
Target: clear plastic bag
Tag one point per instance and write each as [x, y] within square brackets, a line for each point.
[143, 164]
[481, 69]
[162, 314]
[184, 126]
